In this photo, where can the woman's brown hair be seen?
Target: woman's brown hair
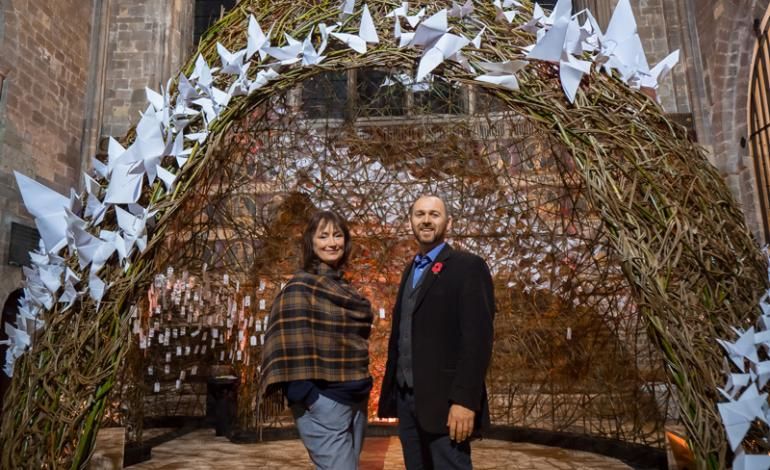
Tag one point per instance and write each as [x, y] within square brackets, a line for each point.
[310, 260]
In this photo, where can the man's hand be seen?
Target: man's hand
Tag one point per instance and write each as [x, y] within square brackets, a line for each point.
[460, 422]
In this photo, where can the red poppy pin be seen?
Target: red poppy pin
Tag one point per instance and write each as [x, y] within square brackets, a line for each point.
[437, 267]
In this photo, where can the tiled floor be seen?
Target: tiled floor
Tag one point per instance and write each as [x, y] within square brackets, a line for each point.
[203, 450]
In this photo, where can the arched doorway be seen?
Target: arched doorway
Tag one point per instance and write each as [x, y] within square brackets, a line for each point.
[759, 122]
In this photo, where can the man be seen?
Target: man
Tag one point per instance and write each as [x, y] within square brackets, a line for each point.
[440, 347]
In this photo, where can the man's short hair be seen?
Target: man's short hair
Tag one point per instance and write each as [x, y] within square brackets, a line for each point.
[443, 201]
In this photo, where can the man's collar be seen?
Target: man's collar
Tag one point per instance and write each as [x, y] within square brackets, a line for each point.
[432, 254]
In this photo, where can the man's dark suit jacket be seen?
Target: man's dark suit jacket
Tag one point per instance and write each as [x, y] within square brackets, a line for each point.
[452, 341]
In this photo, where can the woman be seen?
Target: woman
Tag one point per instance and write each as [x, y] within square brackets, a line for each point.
[317, 348]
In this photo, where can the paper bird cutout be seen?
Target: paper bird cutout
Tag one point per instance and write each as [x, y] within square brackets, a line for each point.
[742, 349]
[288, 54]
[367, 31]
[502, 74]
[256, 40]
[737, 415]
[445, 47]
[458, 11]
[232, 62]
[48, 208]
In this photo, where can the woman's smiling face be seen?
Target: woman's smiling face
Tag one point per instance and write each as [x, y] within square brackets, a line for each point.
[329, 243]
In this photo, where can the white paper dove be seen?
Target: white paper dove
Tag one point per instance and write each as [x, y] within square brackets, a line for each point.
[742, 349]
[126, 184]
[288, 54]
[502, 73]
[461, 11]
[347, 7]
[431, 29]
[737, 415]
[48, 208]
[202, 73]
[447, 46]
[256, 40]
[232, 62]
[263, 77]
[367, 31]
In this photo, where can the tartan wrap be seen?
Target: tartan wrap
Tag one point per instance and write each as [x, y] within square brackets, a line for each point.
[318, 329]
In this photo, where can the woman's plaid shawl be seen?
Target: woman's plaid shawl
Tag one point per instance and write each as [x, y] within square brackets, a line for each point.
[318, 329]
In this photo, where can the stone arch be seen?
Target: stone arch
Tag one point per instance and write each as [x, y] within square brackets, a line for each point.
[684, 249]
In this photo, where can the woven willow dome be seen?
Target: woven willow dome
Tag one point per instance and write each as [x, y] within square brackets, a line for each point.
[618, 253]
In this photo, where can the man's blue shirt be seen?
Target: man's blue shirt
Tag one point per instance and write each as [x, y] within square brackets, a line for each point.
[422, 262]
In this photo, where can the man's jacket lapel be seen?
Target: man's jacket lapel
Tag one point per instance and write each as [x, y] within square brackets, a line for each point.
[429, 277]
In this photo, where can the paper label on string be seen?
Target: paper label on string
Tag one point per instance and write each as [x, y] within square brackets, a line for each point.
[175, 333]
[569, 333]
[238, 355]
[262, 304]
[203, 349]
[261, 285]
[150, 370]
[178, 384]
[156, 387]
[194, 370]
[225, 279]
[187, 350]
[247, 301]
[161, 338]
[253, 340]
[215, 333]
[221, 356]
[237, 285]
[240, 335]
[382, 313]
[142, 343]
[182, 375]
[183, 331]
[168, 357]
[179, 350]
[197, 349]
[262, 338]
[167, 369]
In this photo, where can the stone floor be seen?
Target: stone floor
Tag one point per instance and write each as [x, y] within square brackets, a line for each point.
[201, 449]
